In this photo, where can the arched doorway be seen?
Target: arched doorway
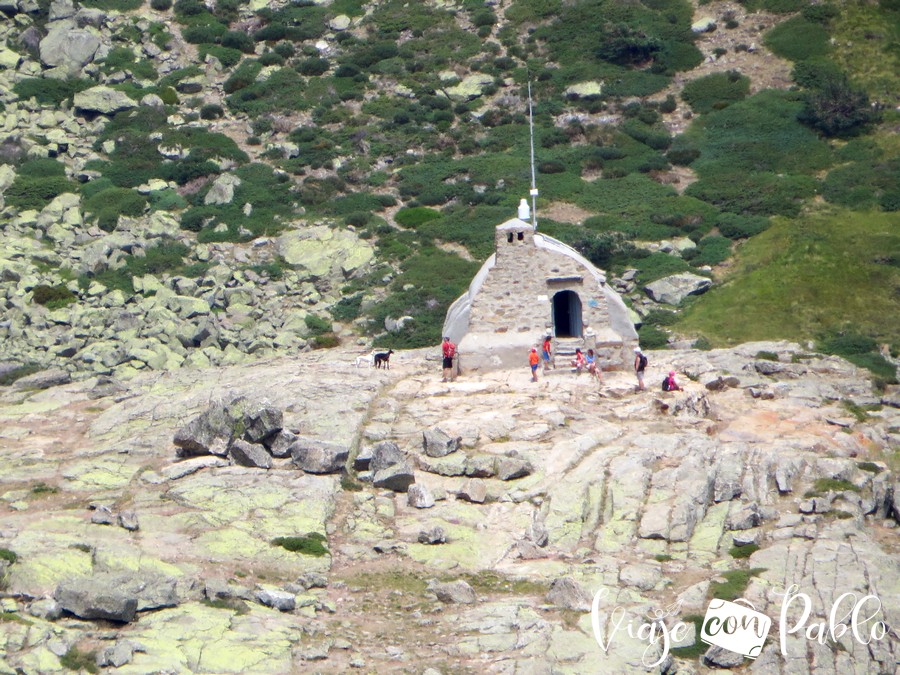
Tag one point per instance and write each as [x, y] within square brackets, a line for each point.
[567, 314]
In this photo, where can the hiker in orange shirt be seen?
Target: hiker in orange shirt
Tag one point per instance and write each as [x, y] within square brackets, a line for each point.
[534, 360]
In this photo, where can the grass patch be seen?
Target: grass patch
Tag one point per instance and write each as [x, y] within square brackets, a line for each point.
[662, 557]
[699, 647]
[18, 373]
[310, 544]
[825, 485]
[8, 556]
[825, 261]
[744, 551]
[77, 660]
[716, 91]
[350, 484]
[14, 617]
[405, 582]
[41, 488]
[491, 582]
[766, 356]
[871, 467]
[736, 582]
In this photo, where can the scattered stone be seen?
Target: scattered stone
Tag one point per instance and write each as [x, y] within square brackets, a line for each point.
[384, 455]
[209, 433]
[419, 497]
[746, 517]
[511, 468]
[437, 443]
[363, 459]
[454, 592]
[433, 536]
[397, 477]
[262, 423]
[746, 537]
[722, 658]
[129, 521]
[722, 383]
[280, 600]
[279, 444]
[116, 655]
[250, 454]
[313, 580]
[473, 490]
[103, 515]
[318, 457]
[567, 593]
[45, 608]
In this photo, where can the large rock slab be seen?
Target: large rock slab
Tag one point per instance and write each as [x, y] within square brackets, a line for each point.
[319, 457]
[673, 289]
[96, 598]
[68, 46]
[320, 251]
[103, 100]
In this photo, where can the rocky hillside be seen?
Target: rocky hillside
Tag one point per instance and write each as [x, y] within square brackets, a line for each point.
[196, 184]
[301, 514]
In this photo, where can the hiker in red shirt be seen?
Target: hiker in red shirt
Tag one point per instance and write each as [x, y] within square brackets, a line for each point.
[449, 351]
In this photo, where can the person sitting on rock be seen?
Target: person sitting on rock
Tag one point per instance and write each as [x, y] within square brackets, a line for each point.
[669, 384]
[578, 363]
[592, 367]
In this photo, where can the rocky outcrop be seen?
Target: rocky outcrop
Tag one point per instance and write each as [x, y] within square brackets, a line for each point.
[672, 290]
[103, 100]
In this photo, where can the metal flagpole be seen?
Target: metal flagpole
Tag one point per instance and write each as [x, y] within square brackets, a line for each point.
[534, 191]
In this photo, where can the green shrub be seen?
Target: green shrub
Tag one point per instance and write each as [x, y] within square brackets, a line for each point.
[310, 544]
[227, 56]
[8, 556]
[711, 251]
[239, 40]
[117, 5]
[35, 192]
[243, 76]
[651, 337]
[716, 91]
[815, 73]
[838, 109]
[317, 325]
[313, 66]
[658, 265]
[52, 297]
[347, 308]
[164, 257]
[211, 111]
[744, 551]
[766, 356]
[161, 5]
[107, 205]
[798, 39]
[74, 659]
[760, 194]
[660, 317]
[42, 168]
[736, 582]
[736, 226]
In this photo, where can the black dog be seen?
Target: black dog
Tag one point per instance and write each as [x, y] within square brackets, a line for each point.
[383, 360]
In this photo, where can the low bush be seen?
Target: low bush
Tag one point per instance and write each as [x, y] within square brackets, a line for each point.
[52, 297]
[35, 192]
[309, 544]
[165, 257]
[107, 205]
[74, 658]
[211, 111]
[761, 194]
[227, 57]
[716, 91]
[798, 39]
[736, 226]
[651, 337]
[711, 251]
[658, 265]
[347, 308]
[838, 109]
[161, 5]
